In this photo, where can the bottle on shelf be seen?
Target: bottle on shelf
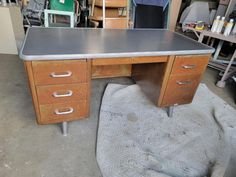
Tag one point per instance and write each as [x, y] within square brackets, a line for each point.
[229, 27]
[215, 24]
[220, 25]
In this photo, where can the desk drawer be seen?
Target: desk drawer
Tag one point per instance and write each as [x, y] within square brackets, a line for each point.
[189, 64]
[62, 93]
[55, 113]
[59, 72]
[181, 89]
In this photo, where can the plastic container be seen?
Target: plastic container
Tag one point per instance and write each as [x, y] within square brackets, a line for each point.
[229, 27]
[215, 24]
[220, 25]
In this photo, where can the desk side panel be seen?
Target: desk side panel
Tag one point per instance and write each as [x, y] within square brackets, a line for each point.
[152, 78]
[30, 75]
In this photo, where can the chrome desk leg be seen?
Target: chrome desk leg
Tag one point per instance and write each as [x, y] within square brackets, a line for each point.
[64, 128]
[170, 111]
[221, 83]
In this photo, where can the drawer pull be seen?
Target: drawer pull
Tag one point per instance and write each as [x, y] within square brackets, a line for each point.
[189, 66]
[58, 112]
[66, 74]
[67, 94]
[184, 82]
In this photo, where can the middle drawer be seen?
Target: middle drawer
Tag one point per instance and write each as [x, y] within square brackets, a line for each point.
[62, 93]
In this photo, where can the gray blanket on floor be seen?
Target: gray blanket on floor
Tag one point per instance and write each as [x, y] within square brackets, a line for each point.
[137, 139]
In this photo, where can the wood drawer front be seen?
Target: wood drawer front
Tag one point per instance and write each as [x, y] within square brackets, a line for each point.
[153, 59]
[112, 3]
[62, 93]
[53, 113]
[59, 72]
[189, 64]
[181, 89]
[111, 61]
[107, 71]
[116, 23]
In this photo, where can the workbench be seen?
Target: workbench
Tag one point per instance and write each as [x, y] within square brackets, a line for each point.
[228, 70]
[61, 62]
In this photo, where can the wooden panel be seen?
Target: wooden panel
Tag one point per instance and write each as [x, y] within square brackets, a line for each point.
[153, 78]
[111, 61]
[135, 60]
[89, 77]
[29, 71]
[48, 114]
[154, 59]
[149, 77]
[181, 89]
[43, 71]
[192, 64]
[166, 77]
[62, 93]
[114, 12]
[112, 3]
[116, 23]
[174, 13]
[111, 71]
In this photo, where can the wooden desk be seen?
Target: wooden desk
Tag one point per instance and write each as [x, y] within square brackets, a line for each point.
[59, 61]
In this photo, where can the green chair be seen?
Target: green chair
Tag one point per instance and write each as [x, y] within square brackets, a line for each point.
[61, 7]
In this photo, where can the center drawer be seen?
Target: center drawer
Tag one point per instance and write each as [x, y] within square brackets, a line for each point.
[62, 93]
[60, 72]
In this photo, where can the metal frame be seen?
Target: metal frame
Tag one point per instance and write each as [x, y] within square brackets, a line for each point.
[48, 12]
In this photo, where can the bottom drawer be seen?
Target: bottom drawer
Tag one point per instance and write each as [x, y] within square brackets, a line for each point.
[55, 113]
[181, 89]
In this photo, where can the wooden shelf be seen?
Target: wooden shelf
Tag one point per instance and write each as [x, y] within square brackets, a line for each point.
[112, 3]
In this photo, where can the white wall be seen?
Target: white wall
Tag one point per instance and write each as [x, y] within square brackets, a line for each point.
[11, 29]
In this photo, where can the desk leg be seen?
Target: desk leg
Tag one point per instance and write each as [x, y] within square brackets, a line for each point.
[221, 83]
[201, 37]
[217, 52]
[170, 111]
[64, 128]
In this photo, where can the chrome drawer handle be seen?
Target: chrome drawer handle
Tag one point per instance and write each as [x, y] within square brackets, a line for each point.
[189, 66]
[66, 74]
[67, 94]
[58, 112]
[184, 82]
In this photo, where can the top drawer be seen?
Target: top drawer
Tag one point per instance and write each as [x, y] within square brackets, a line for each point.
[59, 72]
[190, 64]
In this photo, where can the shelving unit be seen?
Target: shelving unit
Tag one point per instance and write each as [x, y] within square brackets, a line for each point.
[112, 14]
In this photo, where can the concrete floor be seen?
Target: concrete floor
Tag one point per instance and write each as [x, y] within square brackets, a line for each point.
[30, 150]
